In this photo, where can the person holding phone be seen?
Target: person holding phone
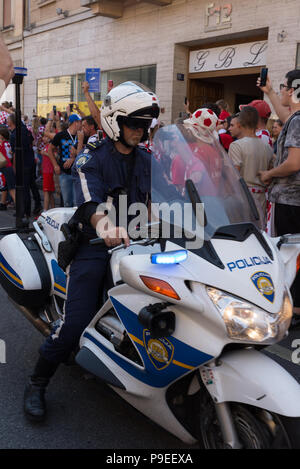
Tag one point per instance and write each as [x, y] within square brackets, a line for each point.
[284, 178]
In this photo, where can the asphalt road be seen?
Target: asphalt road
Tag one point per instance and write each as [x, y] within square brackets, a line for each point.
[82, 413]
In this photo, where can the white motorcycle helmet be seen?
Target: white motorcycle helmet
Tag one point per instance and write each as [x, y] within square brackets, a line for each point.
[124, 104]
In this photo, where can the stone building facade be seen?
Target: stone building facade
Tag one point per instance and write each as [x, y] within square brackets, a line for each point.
[202, 49]
[13, 15]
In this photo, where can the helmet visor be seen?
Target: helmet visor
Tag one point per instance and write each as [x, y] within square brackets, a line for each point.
[135, 123]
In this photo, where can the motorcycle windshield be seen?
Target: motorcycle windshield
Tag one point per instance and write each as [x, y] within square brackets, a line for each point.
[191, 168]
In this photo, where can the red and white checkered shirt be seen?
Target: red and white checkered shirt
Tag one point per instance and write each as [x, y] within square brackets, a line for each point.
[39, 139]
[3, 116]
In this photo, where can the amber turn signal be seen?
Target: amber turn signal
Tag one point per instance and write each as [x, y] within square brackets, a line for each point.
[160, 286]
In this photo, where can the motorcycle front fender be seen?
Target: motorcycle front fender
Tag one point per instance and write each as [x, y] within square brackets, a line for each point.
[251, 377]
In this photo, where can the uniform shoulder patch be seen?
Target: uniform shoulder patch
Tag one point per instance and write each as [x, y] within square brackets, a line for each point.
[82, 159]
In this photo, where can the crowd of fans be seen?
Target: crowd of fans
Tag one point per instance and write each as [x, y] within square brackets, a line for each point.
[51, 145]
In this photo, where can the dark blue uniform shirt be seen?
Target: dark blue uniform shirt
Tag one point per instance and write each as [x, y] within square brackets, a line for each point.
[103, 172]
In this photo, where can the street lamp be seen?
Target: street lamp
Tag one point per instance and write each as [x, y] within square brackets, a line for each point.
[21, 223]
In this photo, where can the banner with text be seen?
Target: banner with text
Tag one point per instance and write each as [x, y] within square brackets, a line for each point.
[251, 54]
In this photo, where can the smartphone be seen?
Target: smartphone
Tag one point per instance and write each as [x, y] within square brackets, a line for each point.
[100, 135]
[263, 76]
[54, 110]
[71, 107]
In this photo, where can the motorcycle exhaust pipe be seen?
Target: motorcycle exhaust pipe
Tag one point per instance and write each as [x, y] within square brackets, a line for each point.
[37, 322]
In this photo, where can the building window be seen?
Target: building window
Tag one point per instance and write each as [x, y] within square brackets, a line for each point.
[6, 14]
[57, 91]
[61, 91]
[298, 57]
[145, 75]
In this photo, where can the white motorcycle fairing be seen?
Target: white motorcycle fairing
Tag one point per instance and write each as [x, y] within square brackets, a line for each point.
[250, 377]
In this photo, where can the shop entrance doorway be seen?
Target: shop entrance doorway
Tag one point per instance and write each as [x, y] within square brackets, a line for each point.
[202, 91]
[235, 89]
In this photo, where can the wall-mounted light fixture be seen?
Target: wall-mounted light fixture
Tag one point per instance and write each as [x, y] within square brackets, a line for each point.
[60, 11]
[281, 36]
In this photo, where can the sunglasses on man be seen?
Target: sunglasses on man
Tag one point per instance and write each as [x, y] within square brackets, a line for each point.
[282, 85]
[134, 123]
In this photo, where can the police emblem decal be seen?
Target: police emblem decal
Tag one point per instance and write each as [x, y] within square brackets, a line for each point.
[82, 161]
[264, 284]
[160, 351]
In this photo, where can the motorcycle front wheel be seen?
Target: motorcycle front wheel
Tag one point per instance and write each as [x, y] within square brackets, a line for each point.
[256, 429]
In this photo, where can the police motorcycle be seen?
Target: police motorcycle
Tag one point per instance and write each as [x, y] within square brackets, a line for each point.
[188, 311]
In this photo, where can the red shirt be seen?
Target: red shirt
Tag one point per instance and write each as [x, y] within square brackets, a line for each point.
[226, 140]
[2, 181]
[178, 171]
[207, 169]
[3, 150]
[47, 166]
[223, 116]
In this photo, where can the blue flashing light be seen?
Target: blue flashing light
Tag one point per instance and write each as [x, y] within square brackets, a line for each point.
[169, 258]
[20, 71]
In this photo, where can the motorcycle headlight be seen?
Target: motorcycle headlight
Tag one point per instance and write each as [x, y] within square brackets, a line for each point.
[249, 323]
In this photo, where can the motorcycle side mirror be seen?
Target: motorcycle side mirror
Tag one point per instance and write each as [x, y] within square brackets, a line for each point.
[289, 239]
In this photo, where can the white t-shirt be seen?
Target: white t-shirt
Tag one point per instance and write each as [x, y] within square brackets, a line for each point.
[251, 155]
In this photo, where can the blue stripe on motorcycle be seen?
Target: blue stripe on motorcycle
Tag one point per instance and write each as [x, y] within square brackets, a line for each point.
[180, 360]
[182, 352]
[10, 274]
[60, 278]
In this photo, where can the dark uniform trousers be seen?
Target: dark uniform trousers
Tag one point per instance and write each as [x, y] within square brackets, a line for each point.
[97, 173]
[84, 291]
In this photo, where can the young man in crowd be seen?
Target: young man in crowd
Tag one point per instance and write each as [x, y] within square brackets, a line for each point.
[250, 155]
[64, 142]
[264, 113]
[89, 128]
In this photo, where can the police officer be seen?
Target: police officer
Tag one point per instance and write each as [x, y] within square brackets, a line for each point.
[104, 170]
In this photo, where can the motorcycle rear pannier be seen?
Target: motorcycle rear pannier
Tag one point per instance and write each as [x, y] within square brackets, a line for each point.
[24, 274]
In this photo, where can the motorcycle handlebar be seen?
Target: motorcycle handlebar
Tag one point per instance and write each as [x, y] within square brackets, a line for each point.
[143, 242]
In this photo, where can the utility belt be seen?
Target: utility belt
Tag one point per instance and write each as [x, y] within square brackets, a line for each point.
[67, 249]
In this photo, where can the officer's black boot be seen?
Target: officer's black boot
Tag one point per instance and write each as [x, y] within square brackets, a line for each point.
[34, 396]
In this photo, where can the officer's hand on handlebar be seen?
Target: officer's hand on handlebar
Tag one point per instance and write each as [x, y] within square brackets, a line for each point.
[115, 236]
